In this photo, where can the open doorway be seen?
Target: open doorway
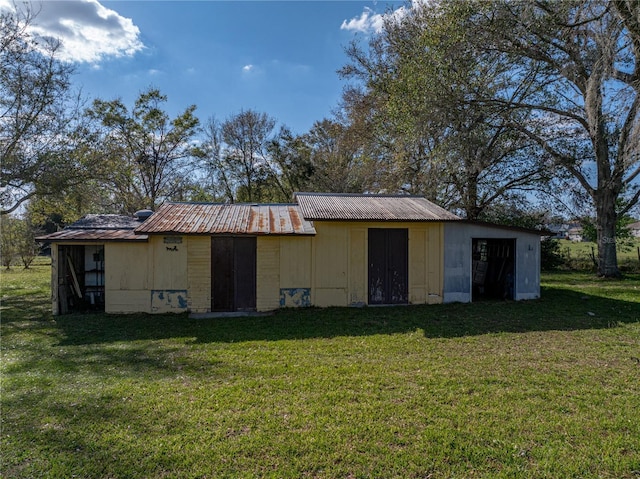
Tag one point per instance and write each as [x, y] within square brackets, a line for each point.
[493, 268]
[80, 278]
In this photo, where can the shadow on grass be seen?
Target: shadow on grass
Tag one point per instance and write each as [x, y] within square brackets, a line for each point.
[559, 309]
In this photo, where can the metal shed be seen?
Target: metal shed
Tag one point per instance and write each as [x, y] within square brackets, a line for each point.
[487, 261]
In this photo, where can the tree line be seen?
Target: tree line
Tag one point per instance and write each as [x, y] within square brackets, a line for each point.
[477, 105]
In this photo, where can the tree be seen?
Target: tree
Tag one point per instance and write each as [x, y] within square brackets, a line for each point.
[246, 136]
[18, 240]
[337, 159]
[38, 115]
[424, 77]
[235, 154]
[210, 154]
[8, 245]
[292, 169]
[624, 238]
[147, 151]
[584, 57]
[27, 246]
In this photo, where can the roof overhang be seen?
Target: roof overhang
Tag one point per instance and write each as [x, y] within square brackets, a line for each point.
[92, 236]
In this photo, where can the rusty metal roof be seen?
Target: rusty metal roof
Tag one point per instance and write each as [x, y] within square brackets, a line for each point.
[92, 235]
[97, 228]
[237, 219]
[349, 207]
[105, 222]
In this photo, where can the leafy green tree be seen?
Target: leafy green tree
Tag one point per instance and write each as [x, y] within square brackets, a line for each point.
[425, 79]
[235, 154]
[18, 241]
[337, 160]
[623, 239]
[148, 152]
[246, 136]
[217, 182]
[39, 116]
[8, 244]
[292, 169]
[583, 59]
[550, 254]
[27, 247]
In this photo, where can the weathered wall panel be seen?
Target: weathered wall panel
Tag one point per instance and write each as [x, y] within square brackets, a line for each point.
[295, 262]
[340, 263]
[126, 266]
[199, 273]
[331, 255]
[330, 264]
[418, 247]
[123, 302]
[357, 266]
[169, 262]
[169, 301]
[435, 264]
[127, 285]
[267, 273]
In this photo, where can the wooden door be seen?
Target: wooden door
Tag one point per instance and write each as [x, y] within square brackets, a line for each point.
[388, 266]
[233, 273]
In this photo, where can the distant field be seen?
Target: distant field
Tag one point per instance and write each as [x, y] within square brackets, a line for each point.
[581, 251]
[540, 389]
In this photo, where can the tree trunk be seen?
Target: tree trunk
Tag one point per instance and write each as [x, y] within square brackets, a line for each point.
[606, 229]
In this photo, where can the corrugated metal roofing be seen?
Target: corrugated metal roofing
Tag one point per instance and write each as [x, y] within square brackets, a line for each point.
[240, 219]
[91, 235]
[105, 222]
[97, 228]
[324, 206]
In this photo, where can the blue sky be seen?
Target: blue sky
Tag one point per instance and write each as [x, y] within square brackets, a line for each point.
[277, 57]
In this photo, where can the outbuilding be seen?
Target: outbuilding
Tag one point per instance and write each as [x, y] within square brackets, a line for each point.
[322, 250]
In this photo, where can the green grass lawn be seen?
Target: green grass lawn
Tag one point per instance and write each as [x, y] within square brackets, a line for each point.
[538, 389]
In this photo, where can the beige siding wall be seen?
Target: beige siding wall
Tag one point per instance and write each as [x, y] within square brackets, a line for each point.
[199, 273]
[357, 266]
[329, 269]
[127, 273]
[147, 277]
[340, 264]
[267, 273]
[169, 283]
[330, 264]
[169, 263]
[425, 264]
[295, 262]
[283, 272]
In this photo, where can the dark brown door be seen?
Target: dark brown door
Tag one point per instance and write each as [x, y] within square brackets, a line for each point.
[233, 273]
[388, 266]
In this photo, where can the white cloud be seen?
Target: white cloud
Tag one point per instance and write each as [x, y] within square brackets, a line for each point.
[366, 22]
[247, 68]
[370, 21]
[88, 31]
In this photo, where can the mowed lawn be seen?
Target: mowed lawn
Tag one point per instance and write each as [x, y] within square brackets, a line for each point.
[540, 389]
